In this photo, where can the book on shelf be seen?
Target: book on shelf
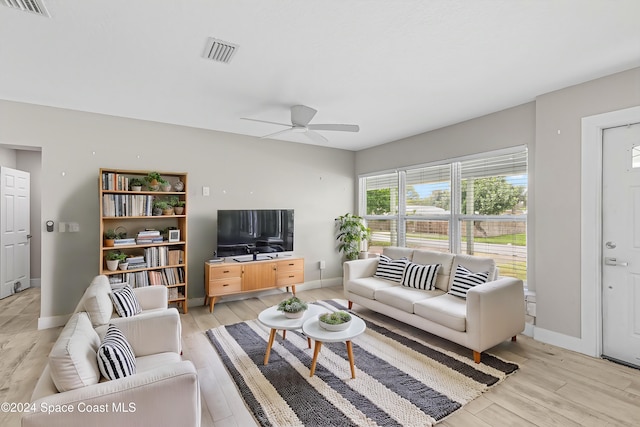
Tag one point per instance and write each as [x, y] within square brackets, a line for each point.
[128, 241]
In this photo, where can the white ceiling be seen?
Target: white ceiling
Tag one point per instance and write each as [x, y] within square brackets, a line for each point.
[396, 68]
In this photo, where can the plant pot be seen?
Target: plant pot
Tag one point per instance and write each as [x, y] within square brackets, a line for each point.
[136, 188]
[167, 211]
[335, 328]
[112, 265]
[153, 185]
[296, 315]
[109, 242]
[178, 210]
[123, 265]
[166, 187]
[157, 211]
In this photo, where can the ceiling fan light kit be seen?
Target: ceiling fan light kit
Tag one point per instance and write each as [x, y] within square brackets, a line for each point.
[301, 115]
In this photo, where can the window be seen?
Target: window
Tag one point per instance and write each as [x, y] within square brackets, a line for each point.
[475, 206]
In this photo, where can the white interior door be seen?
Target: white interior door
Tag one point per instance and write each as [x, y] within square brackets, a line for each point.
[14, 230]
[621, 244]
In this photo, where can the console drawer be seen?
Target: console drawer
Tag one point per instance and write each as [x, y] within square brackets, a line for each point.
[291, 265]
[285, 278]
[225, 271]
[224, 286]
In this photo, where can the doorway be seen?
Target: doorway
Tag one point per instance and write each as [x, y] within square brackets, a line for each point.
[621, 244]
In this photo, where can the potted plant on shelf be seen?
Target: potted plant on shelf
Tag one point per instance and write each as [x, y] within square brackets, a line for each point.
[352, 232]
[135, 184]
[293, 307]
[164, 206]
[110, 237]
[336, 321]
[154, 180]
[178, 208]
[114, 258]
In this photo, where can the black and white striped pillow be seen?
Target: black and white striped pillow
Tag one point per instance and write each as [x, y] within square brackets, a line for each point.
[391, 269]
[115, 355]
[420, 276]
[125, 302]
[465, 279]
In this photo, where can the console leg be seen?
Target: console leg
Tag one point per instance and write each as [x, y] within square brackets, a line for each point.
[212, 300]
[350, 304]
[476, 356]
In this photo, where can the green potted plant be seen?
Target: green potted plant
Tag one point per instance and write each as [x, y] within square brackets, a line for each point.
[154, 180]
[110, 237]
[163, 205]
[336, 321]
[178, 208]
[351, 232]
[113, 258]
[135, 184]
[293, 307]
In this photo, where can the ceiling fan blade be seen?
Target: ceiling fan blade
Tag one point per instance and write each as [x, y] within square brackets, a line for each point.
[272, 135]
[301, 115]
[316, 137]
[345, 128]
[264, 121]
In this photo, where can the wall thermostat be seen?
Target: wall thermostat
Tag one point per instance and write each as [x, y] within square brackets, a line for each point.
[49, 226]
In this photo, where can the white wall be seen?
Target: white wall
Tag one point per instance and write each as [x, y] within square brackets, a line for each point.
[241, 172]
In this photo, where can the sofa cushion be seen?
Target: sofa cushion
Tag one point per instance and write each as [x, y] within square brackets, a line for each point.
[476, 264]
[420, 276]
[97, 302]
[125, 302]
[446, 310]
[403, 298]
[464, 279]
[445, 260]
[72, 360]
[367, 286]
[391, 269]
[396, 252]
[115, 355]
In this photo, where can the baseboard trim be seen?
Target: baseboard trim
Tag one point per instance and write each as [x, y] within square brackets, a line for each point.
[53, 321]
[34, 283]
[564, 341]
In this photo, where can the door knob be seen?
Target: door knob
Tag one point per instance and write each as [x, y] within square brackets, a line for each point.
[610, 245]
[615, 262]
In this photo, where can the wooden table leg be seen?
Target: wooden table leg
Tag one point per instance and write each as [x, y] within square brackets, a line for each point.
[309, 342]
[316, 351]
[350, 353]
[272, 336]
[284, 334]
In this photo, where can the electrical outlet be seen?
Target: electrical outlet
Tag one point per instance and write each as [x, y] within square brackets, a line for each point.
[322, 265]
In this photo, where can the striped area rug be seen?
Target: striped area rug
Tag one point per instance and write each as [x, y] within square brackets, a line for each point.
[399, 381]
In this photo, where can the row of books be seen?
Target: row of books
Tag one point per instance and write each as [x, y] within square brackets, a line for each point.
[148, 236]
[174, 293]
[114, 181]
[116, 205]
[160, 256]
[167, 277]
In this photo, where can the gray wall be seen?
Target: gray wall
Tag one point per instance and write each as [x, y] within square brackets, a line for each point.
[241, 172]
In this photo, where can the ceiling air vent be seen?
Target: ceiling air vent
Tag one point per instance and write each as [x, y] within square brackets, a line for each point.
[33, 6]
[219, 50]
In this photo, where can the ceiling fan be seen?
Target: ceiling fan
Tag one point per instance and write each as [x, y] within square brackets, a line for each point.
[301, 115]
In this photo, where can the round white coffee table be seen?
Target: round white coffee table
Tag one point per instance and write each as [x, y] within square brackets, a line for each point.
[274, 319]
[312, 329]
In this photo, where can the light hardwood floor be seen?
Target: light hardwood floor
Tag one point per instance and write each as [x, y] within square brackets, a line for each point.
[554, 387]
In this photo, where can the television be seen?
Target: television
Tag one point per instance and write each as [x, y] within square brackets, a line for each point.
[254, 231]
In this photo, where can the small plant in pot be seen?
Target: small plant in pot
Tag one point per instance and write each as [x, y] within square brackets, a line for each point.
[336, 321]
[293, 307]
[178, 208]
[135, 184]
[110, 237]
[159, 207]
[113, 258]
[154, 180]
[166, 207]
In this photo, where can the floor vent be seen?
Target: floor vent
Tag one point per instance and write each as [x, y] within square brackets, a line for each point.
[220, 51]
[33, 6]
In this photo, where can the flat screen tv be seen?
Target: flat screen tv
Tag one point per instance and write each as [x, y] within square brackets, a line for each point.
[254, 231]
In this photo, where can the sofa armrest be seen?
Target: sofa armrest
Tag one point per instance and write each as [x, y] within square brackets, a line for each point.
[359, 268]
[151, 297]
[151, 332]
[166, 395]
[495, 312]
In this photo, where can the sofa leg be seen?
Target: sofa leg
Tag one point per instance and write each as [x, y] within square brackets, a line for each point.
[350, 304]
[513, 338]
[476, 356]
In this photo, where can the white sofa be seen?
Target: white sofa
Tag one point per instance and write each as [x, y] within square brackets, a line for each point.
[491, 313]
[163, 391]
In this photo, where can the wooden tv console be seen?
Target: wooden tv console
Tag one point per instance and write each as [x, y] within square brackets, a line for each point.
[228, 278]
